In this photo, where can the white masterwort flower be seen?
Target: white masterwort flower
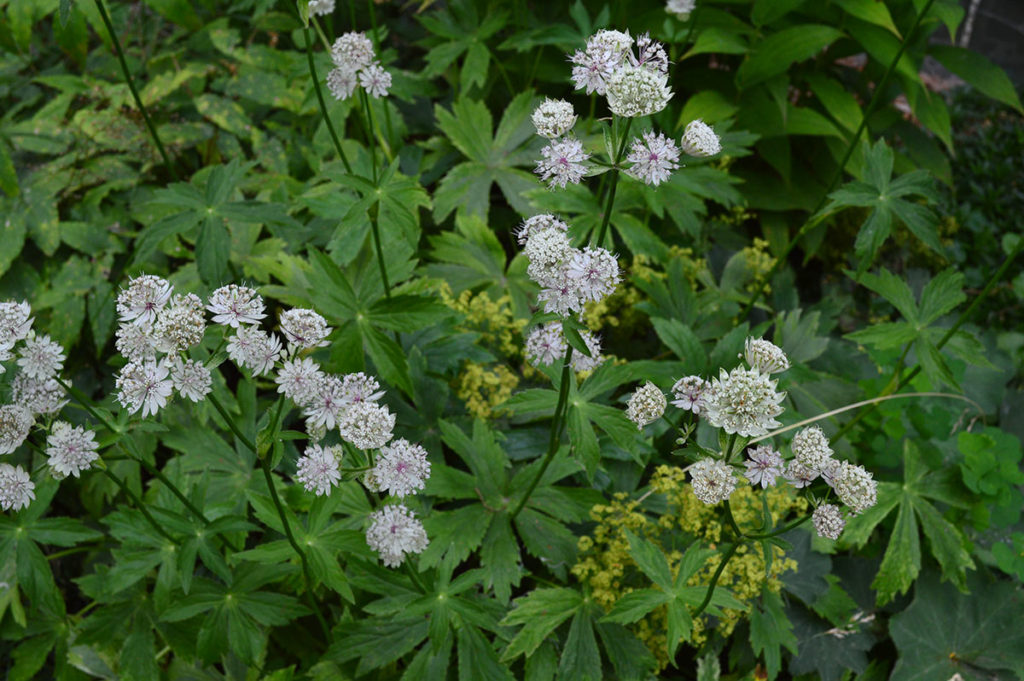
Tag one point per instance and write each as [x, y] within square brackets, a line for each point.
[38, 396]
[41, 358]
[145, 386]
[855, 486]
[15, 423]
[136, 341]
[689, 393]
[646, 405]
[16, 488]
[561, 295]
[563, 163]
[712, 481]
[581, 362]
[299, 380]
[143, 298]
[253, 348]
[810, 448]
[232, 305]
[538, 223]
[353, 50]
[828, 521]
[799, 475]
[595, 272]
[638, 91]
[180, 325]
[650, 54]
[763, 466]
[743, 401]
[320, 7]
[553, 118]
[325, 406]
[304, 328]
[71, 449]
[547, 250]
[700, 140]
[15, 322]
[359, 387]
[402, 468]
[342, 82]
[765, 356]
[375, 80]
[653, 159]
[592, 67]
[318, 468]
[191, 379]
[681, 8]
[545, 345]
[394, 533]
[366, 425]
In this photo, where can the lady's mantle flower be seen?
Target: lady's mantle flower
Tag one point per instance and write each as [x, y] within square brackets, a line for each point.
[402, 468]
[553, 118]
[681, 8]
[828, 521]
[318, 468]
[71, 449]
[16, 488]
[638, 91]
[191, 379]
[15, 423]
[700, 140]
[763, 466]
[743, 401]
[689, 393]
[765, 356]
[810, 448]
[143, 298]
[646, 405]
[712, 481]
[562, 163]
[304, 328]
[395, 532]
[41, 358]
[15, 322]
[855, 486]
[145, 386]
[653, 159]
[233, 305]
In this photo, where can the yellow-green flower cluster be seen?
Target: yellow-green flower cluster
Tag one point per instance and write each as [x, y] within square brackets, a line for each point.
[484, 386]
[759, 264]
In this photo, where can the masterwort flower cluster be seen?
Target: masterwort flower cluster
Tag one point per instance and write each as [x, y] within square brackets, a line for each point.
[563, 160]
[355, 65]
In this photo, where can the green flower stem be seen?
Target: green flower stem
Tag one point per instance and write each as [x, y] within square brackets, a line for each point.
[231, 423]
[732, 521]
[80, 548]
[323, 104]
[729, 553]
[135, 93]
[371, 138]
[84, 401]
[375, 229]
[896, 385]
[610, 201]
[796, 523]
[563, 396]
[730, 447]
[414, 576]
[268, 476]
[139, 505]
[814, 219]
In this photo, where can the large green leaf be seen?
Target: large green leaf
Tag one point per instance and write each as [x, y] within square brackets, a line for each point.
[779, 50]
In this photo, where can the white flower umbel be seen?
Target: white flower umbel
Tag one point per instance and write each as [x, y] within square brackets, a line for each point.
[318, 468]
[810, 448]
[594, 66]
[536, 224]
[304, 328]
[563, 163]
[180, 325]
[545, 345]
[681, 8]
[71, 449]
[342, 81]
[394, 533]
[325, 407]
[799, 475]
[712, 481]
[553, 118]
[653, 158]
[144, 297]
[637, 91]
[41, 358]
[402, 468]
[191, 379]
[595, 272]
[15, 423]
[253, 348]
[650, 54]
[366, 425]
[375, 80]
[353, 50]
[15, 322]
[700, 140]
[743, 401]
[359, 387]
[38, 396]
[547, 250]
[646, 405]
[581, 362]
[828, 521]
[16, 488]
[321, 7]
[136, 342]
[234, 305]
[764, 464]
[144, 385]
[299, 380]
[855, 486]
[689, 393]
[561, 295]
[765, 356]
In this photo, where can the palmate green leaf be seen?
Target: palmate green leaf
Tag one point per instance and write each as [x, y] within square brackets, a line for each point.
[651, 560]
[631, 659]
[477, 659]
[580, 660]
[822, 655]
[902, 560]
[499, 556]
[933, 364]
[894, 290]
[540, 612]
[376, 641]
[941, 295]
[636, 604]
[770, 631]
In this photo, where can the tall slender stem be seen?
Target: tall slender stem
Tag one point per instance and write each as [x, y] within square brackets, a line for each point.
[813, 219]
[768, 535]
[375, 228]
[323, 104]
[553, 439]
[139, 505]
[370, 134]
[610, 201]
[732, 521]
[135, 93]
[729, 553]
[231, 423]
[84, 402]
